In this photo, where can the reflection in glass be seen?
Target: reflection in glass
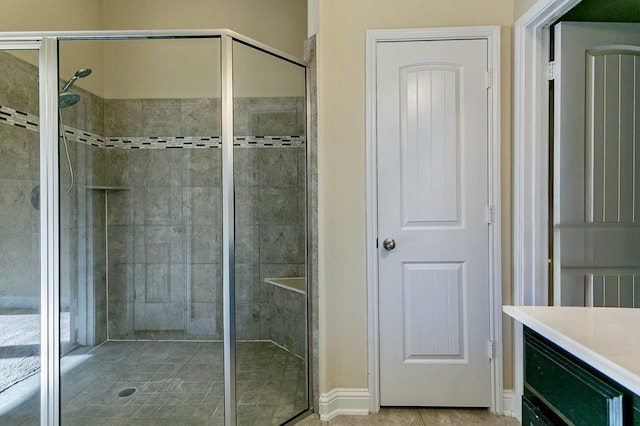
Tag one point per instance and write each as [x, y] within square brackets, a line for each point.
[19, 239]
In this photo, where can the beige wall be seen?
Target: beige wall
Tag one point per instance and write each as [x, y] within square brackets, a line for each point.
[281, 24]
[138, 69]
[278, 23]
[58, 15]
[520, 7]
[166, 69]
[74, 55]
[50, 15]
[342, 215]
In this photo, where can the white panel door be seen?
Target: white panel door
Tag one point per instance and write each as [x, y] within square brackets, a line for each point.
[596, 164]
[432, 139]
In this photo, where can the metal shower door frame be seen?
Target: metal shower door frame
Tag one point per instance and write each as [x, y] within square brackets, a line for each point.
[47, 44]
[49, 228]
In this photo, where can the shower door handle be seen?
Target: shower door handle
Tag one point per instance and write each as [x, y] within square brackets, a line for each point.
[389, 244]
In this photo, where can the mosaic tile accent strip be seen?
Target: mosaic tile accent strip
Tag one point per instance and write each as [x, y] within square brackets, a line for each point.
[161, 143]
[268, 141]
[30, 122]
[18, 118]
[80, 136]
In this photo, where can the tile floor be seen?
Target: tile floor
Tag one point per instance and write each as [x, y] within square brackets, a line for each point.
[418, 416]
[176, 383]
[181, 383]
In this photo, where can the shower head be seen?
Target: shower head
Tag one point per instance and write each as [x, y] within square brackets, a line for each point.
[67, 99]
[81, 73]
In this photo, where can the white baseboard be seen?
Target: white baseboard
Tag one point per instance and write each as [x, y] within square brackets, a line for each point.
[507, 405]
[354, 402]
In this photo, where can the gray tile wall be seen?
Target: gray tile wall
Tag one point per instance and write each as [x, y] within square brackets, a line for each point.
[270, 233]
[19, 173]
[269, 116]
[270, 217]
[165, 244]
[19, 221]
[18, 84]
[173, 208]
[289, 320]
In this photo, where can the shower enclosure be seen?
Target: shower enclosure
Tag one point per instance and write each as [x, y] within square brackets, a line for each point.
[153, 218]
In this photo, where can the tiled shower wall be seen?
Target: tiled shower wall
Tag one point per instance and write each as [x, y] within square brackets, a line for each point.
[165, 227]
[82, 235]
[19, 173]
[164, 217]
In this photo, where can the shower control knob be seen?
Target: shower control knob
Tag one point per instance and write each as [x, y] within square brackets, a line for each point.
[389, 244]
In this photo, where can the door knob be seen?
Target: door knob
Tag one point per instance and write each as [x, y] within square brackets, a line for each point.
[389, 244]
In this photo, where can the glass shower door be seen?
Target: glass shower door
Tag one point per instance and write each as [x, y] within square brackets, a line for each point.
[270, 225]
[19, 238]
[141, 229]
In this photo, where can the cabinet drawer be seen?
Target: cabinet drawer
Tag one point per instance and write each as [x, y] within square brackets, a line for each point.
[572, 392]
[531, 416]
[635, 409]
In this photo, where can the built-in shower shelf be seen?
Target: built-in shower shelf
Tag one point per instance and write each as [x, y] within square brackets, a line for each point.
[107, 188]
[296, 284]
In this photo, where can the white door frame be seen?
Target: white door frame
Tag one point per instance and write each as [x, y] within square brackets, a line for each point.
[492, 35]
[531, 164]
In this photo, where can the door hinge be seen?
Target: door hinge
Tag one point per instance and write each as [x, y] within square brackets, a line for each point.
[551, 70]
[489, 79]
[489, 215]
[490, 349]
[376, 243]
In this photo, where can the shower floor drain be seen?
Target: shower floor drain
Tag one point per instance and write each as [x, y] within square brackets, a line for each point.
[126, 392]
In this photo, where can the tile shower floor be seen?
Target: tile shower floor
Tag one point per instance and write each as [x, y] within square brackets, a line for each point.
[179, 383]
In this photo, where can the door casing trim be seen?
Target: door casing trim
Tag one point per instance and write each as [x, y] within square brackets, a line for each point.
[492, 35]
[531, 165]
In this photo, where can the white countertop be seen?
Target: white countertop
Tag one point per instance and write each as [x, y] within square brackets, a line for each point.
[608, 339]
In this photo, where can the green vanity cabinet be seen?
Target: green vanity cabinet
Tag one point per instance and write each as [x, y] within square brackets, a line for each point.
[561, 389]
